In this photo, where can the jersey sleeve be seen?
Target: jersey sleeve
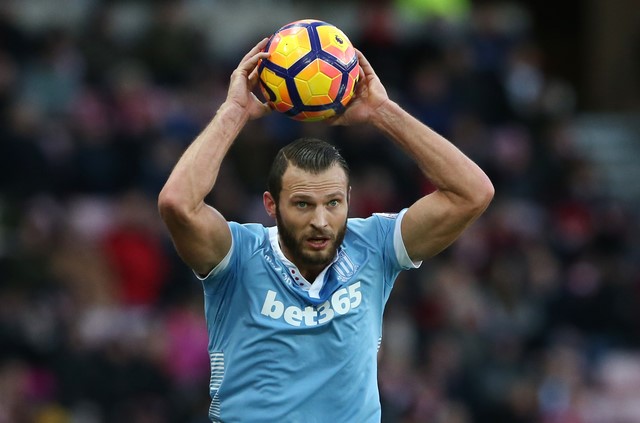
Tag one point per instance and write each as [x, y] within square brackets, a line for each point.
[382, 235]
[384, 230]
[399, 248]
[244, 240]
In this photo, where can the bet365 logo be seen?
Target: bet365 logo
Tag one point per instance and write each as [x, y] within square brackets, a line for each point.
[341, 302]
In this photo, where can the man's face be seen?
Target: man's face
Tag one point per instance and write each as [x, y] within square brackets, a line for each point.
[312, 216]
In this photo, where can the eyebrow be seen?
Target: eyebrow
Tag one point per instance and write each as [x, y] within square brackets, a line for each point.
[310, 197]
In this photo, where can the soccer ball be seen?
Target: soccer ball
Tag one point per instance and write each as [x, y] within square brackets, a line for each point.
[312, 71]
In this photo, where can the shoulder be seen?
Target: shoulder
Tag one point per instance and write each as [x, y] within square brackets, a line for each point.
[246, 239]
[379, 221]
[376, 230]
[381, 231]
[248, 228]
[248, 234]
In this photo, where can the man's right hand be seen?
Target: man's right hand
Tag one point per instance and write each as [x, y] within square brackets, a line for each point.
[243, 80]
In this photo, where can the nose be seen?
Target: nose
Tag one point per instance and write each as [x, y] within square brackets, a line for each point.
[320, 218]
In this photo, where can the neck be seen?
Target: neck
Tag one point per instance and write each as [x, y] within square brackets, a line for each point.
[308, 271]
[310, 274]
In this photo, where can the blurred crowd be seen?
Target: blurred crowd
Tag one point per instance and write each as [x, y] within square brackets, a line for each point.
[531, 317]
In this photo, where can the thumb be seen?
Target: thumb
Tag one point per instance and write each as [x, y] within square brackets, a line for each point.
[262, 109]
[337, 120]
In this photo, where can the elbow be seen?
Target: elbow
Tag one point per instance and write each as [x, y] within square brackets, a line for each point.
[171, 207]
[482, 196]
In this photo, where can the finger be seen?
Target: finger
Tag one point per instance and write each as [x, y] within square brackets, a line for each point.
[336, 121]
[253, 77]
[364, 63]
[255, 49]
[263, 108]
[249, 65]
[332, 121]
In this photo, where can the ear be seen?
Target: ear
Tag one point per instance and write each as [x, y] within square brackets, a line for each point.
[269, 204]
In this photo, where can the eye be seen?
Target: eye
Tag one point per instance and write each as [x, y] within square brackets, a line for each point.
[333, 203]
[301, 204]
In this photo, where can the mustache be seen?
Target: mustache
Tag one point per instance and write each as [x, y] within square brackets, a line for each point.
[319, 233]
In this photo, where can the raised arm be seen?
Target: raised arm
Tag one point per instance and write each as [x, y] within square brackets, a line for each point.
[463, 190]
[199, 232]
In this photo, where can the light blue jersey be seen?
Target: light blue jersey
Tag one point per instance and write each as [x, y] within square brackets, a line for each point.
[285, 350]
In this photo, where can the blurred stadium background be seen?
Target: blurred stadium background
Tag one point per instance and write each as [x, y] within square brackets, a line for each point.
[533, 316]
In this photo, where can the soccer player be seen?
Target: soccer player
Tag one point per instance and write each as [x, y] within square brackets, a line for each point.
[294, 311]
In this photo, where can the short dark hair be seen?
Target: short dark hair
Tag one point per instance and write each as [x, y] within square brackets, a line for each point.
[309, 154]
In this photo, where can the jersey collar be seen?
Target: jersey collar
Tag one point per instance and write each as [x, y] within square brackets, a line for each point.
[311, 288]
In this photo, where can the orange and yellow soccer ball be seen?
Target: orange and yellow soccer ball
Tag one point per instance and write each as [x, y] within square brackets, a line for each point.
[311, 72]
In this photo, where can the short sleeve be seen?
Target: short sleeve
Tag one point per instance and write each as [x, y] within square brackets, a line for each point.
[245, 239]
[223, 265]
[398, 245]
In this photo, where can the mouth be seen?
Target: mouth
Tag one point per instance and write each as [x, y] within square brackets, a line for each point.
[318, 243]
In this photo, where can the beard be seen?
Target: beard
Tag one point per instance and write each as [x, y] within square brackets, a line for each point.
[294, 245]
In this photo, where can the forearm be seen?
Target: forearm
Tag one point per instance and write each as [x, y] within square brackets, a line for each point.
[196, 172]
[199, 232]
[453, 173]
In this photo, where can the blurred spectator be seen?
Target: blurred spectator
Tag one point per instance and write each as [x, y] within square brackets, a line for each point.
[134, 249]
